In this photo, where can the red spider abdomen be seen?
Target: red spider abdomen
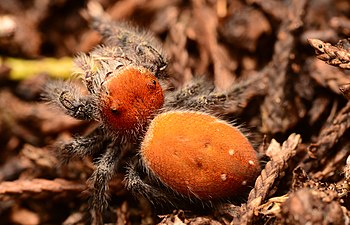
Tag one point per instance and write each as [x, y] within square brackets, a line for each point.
[197, 154]
[131, 99]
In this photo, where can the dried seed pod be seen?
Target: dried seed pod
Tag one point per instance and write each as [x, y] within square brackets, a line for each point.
[199, 155]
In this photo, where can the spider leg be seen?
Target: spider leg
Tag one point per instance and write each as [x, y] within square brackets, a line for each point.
[138, 186]
[189, 96]
[201, 95]
[235, 99]
[83, 146]
[105, 168]
[66, 96]
[138, 45]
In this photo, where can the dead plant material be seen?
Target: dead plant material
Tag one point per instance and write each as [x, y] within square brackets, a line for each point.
[244, 27]
[179, 218]
[228, 214]
[243, 92]
[248, 61]
[341, 24]
[334, 163]
[331, 134]
[327, 192]
[176, 44]
[335, 55]
[206, 23]
[347, 169]
[123, 215]
[345, 90]
[279, 110]
[327, 76]
[13, 167]
[21, 215]
[74, 218]
[24, 120]
[38, 188]
[274, 8]
[306, 207]
[274, 170]
[318, 108]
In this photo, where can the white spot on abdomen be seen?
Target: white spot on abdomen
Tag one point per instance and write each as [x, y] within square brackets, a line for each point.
[223, 176]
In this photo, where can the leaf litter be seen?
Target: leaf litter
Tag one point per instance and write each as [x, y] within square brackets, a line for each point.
[281, 68]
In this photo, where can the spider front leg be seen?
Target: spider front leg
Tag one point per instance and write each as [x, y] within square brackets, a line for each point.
[68, 97]
[140, 46]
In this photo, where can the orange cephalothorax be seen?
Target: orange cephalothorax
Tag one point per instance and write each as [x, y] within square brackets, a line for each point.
[132, 97]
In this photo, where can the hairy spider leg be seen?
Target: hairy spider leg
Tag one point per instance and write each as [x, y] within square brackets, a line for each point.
[105, 169]
[138, 186]
[68, 97]
[83, 146]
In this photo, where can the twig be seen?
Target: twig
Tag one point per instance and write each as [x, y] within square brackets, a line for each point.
[279, 111]
[25, 188]
[210, 49]
[330, 135]
[274, 170]
[306, 206]
[337, 55]
[326, 76]
[347, 169]
[274, 8]
[176, 46]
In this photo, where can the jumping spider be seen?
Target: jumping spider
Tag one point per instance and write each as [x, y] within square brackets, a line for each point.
[182, 154]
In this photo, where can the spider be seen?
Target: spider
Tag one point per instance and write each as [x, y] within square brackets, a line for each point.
[183, 154]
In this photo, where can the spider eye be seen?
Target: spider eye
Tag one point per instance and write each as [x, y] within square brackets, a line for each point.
[115, 111]
[152, 84]
[118, 66]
